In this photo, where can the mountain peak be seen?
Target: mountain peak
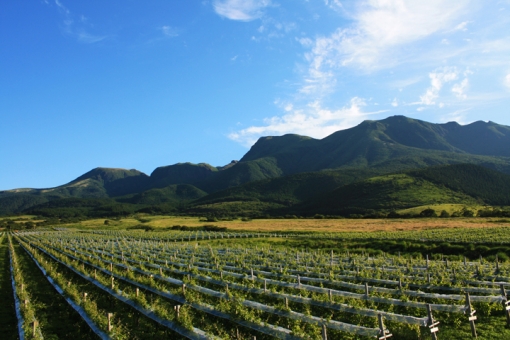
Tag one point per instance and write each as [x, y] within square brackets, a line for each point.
[107, 175]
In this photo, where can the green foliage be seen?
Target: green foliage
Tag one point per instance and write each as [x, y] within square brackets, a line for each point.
[486, 185]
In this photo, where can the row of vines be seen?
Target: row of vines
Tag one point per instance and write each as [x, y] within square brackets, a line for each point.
[133, 285]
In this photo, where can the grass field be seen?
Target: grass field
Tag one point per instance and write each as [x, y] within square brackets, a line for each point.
[296, 225]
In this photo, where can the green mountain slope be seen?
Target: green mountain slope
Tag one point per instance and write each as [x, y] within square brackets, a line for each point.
[171, 194]
[181, 173]
[288, 189]
[456, 184]
[491, 187]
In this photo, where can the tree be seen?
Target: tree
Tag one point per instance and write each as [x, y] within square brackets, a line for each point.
[444, 214]
[429, 212]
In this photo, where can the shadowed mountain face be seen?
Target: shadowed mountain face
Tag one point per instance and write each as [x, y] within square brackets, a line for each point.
[372, 143]
[291, 168]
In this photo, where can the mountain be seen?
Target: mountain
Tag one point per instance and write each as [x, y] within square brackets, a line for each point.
[290, 170]
[395, 141]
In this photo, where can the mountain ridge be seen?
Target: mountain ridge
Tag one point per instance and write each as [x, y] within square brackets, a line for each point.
[373, 147]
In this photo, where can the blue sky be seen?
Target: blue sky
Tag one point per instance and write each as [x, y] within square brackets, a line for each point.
[141, 84]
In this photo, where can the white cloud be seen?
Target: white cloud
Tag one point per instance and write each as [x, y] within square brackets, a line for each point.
[169, 31]
[460, 88]
[382, 25]
[462, 26]
[394, 103]
[374, 41]
[507, 81]
[313, 120]
[437, 79]
[242, 10]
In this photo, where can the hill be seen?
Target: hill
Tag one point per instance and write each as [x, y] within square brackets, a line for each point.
[288, 171]
[453, 184]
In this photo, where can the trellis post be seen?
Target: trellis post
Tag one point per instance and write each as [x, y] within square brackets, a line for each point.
[431, 323]
[383, 333]
[324, 332]
[506, 304]
[472, 316]
[110, 326]
[34, 327]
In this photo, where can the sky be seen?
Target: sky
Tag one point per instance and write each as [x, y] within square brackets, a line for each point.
[141, 84]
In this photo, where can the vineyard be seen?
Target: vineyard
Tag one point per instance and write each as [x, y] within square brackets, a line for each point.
[221, 285]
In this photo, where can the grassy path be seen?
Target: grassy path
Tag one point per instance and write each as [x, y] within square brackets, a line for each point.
[8, 322]
[56, 318]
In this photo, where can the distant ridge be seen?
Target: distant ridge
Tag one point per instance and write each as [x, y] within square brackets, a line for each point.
[290, 170]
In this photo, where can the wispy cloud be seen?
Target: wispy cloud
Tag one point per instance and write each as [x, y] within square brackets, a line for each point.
[169, 31]
[507, 81]
[241, 10]
[380, 30]
[312, 120]
[437, 79]
[441, 77]
[458, 116]
[77, 29]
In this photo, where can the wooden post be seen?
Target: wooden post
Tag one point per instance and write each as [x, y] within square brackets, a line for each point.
[177, 310]
[113, 284]
[286, 303]
[383, 333]
[324, 330]
[110, 326]
[471, 316]
[85, 297]
[330, 293]
[506, 304]
[137, 291]
[34, 327]
[431, 323]
[366, 289]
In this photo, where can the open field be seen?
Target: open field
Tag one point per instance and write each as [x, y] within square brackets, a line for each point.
[296, 225]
